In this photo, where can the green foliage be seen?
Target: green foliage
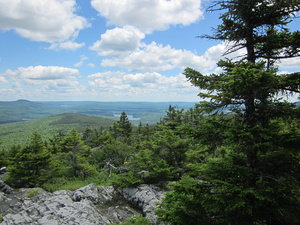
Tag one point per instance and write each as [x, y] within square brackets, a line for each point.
[258, 26]
[28, 165]
[32, 193]
[122, 129]
[225, 194]
[73, 183]
[124, 180]
[111, 156]
[3, 158]
[149, 167]
[249, 172]
[172, 119]
[75, 154]
[183, 204]
[135, 220]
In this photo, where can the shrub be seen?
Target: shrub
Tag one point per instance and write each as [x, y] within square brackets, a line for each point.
[32, 193]
[135, 220]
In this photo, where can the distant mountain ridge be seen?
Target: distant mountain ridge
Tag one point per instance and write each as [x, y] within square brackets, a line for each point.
[149, 112]
[18, 110]
[19, 119]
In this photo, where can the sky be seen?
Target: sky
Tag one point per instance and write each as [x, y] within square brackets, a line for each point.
[107, 50]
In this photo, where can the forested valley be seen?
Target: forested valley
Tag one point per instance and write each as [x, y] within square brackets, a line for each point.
[233, 159]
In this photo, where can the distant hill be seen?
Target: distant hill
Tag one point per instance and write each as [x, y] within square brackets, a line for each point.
[147, 112]
[20, 132]
[22, 110]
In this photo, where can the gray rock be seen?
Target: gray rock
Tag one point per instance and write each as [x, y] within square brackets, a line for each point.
[87, 205]
[5, 188]
[89, 192]
[3, 170]
[145, 198]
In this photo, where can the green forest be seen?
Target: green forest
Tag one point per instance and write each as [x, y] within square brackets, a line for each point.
[231, 159]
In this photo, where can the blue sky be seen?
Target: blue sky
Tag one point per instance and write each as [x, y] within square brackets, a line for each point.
[107, 50]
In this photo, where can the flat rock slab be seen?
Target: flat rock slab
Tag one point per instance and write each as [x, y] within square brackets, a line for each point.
[89, 205]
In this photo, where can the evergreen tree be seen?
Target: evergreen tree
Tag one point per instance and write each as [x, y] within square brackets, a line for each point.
[28, 165]
[3, 158]
[172, 119]
[258, 26]
[75, 154]
[122, 128]
[256, 179]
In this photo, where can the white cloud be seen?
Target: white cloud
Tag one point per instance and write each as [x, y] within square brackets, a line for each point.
[42, 73]
[3, 80]
[91, 65]
[118, 41]
[41, 81]
[150, 83]
[68, 45]
[155, 57]
[80, 63]
[149, 15]
[42, 20]
[290, 63]
[63, 86]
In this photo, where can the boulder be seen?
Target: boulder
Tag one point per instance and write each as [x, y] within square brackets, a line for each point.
[144, 197]
[5, 188]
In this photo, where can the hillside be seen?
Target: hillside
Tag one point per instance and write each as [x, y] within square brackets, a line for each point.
[20, 132]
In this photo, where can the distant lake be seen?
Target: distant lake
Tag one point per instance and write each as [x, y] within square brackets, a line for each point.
[25, 119]
[130, 117]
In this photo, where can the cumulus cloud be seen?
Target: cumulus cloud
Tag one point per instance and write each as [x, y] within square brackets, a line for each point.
[156, 57]
[3, 80]
[68, 45]
[64, 86]
[149, 15]
[117, 41]
[147, 83]
[43, 80]
[42, 72]
[42, 20]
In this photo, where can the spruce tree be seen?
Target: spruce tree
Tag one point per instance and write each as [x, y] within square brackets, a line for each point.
[122, 129]
[28, 165]
[256, 180]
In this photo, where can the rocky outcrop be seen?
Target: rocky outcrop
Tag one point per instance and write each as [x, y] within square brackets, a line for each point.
[5, 188]
[145, 198]
[89, 205]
